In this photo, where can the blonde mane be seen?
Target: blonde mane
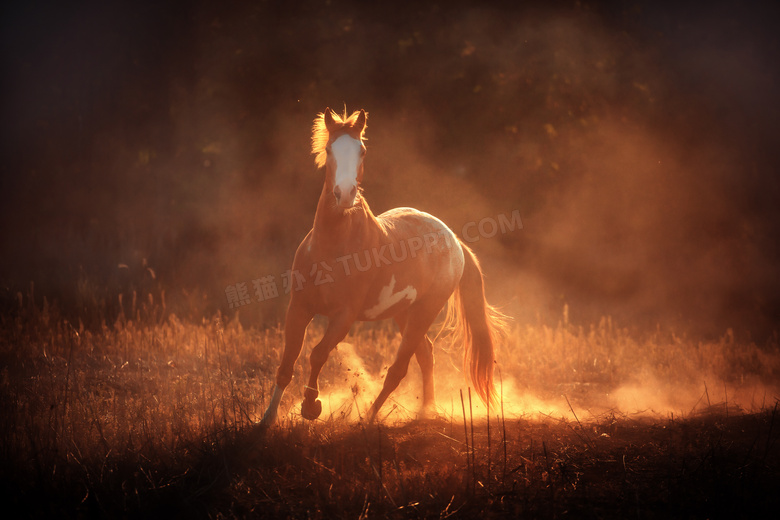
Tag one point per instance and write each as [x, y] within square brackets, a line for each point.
[320, 134]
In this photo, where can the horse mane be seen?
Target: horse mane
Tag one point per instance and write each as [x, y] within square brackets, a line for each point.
[320, 134]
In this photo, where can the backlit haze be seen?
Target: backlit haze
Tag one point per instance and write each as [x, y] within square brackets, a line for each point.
[165, 149]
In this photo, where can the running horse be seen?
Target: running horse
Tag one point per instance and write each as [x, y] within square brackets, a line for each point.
[403, 264]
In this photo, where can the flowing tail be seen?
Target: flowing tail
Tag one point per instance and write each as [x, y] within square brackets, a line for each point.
[478, 325]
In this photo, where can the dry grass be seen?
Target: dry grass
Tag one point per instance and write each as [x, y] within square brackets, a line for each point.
[154, 416]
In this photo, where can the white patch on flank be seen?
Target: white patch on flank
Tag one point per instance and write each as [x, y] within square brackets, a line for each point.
[387, 298]
[346, 153]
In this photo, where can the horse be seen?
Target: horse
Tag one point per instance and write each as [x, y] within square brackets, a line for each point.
[403, 264]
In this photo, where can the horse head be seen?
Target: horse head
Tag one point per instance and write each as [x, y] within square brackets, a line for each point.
[338, 143]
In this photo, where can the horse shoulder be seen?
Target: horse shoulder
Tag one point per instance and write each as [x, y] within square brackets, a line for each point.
[303, 253]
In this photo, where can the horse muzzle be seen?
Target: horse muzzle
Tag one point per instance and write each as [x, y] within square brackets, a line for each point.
[345, 199]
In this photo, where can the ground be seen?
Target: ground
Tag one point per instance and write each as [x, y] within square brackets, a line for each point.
[158, 418]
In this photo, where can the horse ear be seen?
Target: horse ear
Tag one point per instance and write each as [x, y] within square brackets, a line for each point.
[327, 116]
[360, 124]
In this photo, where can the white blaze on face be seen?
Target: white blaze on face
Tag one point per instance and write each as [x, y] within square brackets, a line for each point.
[347, 156]
[388, 298]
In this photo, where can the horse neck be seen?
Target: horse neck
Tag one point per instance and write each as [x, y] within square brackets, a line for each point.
[330, 220]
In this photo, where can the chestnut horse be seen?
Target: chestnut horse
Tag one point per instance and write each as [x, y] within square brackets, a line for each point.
[403, 264]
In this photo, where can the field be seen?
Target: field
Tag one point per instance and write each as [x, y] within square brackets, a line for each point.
[154, 416]
[156, 157]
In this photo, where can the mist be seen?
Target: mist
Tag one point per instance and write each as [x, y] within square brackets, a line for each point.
[164, 150]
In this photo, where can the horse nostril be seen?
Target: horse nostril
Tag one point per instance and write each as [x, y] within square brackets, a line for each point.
[353, 192]
[337, 193]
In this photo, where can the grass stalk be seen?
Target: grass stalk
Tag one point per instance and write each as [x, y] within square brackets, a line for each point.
[586, 438]
[487, 417]
[466, 440]
[503, 427]
[473, 449]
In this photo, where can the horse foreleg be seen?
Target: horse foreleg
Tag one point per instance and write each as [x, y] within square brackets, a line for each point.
[337, 330]
[294, 331]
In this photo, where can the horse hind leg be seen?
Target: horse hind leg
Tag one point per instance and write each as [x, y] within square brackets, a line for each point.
[419, 319]
[424, 356]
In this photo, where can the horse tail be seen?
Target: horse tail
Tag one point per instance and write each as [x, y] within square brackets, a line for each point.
[477, 324]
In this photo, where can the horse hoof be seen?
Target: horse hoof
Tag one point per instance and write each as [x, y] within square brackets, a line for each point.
[311, 410]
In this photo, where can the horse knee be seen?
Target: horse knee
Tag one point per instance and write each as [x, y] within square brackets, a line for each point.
[397, 372]
[284, 376]
[318, 356]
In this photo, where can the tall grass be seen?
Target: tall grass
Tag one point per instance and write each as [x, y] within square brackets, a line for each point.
[155, 414]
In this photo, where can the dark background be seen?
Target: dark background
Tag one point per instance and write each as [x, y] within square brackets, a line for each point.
[163, 147]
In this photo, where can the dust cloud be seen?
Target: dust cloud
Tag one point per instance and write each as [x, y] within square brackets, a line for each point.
[164, 150]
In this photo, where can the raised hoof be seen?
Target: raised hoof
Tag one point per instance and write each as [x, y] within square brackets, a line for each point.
[311, 410]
